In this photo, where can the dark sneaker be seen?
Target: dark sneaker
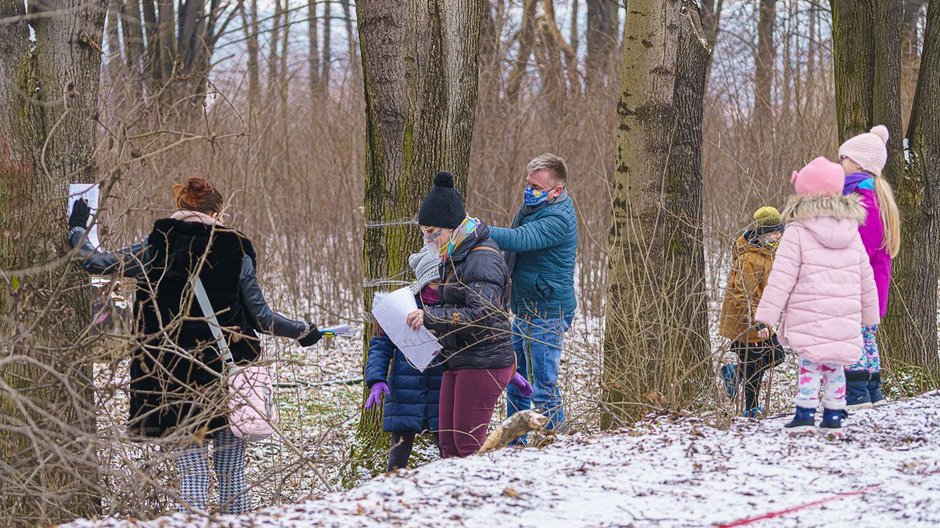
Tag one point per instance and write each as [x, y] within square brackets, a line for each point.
[803, 420]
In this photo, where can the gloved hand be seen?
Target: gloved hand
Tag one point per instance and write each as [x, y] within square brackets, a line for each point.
[378, 390]
[525, 388]
[80, 214]
[313, 335]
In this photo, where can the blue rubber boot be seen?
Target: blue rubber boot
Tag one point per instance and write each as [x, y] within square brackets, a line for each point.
[832, 419]
[803, 420]
[856, 390]
[874, 390]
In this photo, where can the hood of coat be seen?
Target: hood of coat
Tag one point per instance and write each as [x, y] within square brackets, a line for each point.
[749, 242]
[832, 220]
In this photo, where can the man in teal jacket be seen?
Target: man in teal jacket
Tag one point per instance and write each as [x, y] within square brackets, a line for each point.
[541, 247]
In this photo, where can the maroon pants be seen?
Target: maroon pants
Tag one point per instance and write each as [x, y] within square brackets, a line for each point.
[468, 397]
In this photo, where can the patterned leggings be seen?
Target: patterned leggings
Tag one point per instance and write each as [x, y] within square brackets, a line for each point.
[228, 457]
[871, 357]
[832, 379]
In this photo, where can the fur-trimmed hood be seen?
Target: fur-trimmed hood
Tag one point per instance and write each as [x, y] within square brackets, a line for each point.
[832, 220]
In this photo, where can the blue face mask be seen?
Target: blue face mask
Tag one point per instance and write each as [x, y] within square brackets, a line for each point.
[534, 197]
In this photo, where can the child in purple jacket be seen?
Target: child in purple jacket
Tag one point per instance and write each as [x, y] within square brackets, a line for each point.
[863, 158]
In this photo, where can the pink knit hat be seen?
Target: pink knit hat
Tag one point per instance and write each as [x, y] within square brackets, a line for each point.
[869, 150]
[820, 177]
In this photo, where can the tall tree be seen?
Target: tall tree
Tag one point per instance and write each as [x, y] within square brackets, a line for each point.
[49, 96]
[867, 55]
[655, 344]
[910, 330]
[420, 70]
[601, 37]
[762, 119]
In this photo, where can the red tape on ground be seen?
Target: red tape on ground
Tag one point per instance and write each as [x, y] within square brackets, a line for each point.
[791, 509]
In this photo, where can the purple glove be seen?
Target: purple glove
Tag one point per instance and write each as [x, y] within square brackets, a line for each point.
[519, 382]
[379, 389]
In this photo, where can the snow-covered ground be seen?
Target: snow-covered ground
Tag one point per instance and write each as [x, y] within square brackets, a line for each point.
[883, 470]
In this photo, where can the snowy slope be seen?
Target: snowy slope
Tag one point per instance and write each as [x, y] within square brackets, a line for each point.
[884, 470]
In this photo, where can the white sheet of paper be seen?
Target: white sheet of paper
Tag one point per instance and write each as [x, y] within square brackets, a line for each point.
[391, 310]
[88, 191]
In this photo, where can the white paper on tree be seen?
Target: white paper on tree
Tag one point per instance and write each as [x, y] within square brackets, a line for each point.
[390, 311]
[88, 191]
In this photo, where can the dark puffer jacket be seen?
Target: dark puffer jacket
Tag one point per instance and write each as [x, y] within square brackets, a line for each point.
[473, 322]
[412, 403]
[161, 374]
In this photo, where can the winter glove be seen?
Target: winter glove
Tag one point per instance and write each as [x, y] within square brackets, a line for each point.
[80, 214]
[378, 390]
[523, 385]
[311, 337]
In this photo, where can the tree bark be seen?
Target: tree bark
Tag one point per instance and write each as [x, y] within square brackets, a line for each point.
[763, 119]
[867, 50]
[49, 89]
[601, 37]
[911, 327]
[419, 61]
[327, 55]
[314, 54]
[527, 35]
[655, 344]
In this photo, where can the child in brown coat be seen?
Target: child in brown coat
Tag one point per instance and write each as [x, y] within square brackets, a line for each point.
[756, 346]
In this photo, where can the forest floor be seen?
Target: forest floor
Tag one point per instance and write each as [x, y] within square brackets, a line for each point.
[882, 470]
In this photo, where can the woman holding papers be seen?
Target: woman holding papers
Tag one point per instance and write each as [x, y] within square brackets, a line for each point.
[411, 395]
[174, 386]
[472, 323]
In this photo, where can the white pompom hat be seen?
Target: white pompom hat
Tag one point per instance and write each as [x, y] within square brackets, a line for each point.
[869, 150]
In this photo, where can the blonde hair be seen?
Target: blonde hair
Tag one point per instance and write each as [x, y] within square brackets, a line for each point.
[890, 216]
[549, 161]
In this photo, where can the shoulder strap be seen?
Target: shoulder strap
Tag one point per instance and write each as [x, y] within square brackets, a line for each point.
[213, 321]
[453, 271]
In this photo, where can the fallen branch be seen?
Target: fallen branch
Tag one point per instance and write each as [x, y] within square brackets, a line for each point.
[517, 425]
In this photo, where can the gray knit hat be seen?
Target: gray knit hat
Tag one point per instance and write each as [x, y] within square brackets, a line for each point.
[426, 268]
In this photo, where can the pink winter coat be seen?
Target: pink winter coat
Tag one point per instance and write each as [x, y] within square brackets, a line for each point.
[821, 287]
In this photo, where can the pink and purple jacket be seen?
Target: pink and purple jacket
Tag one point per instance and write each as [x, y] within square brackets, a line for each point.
[821, 288]
[872, 231]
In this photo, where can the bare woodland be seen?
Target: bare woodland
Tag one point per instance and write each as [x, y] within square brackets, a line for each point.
[323, 122]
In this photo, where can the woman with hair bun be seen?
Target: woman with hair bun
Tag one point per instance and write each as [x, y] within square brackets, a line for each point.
[174, 386]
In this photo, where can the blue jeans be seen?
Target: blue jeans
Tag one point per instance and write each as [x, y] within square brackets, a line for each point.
[538, 344]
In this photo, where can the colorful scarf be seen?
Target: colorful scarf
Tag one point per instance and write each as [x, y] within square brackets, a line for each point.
[462, 233]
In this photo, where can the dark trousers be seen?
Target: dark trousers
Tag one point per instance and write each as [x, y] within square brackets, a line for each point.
[753, 360]
[400, 452]
[468, 397]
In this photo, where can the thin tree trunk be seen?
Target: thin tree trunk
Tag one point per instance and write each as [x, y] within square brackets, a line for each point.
[655, 236]
[762, 121]
[131, 25]
[47, 414]
[527, 36]
[250, 27]
[355, 66]
[601, 40]
[314, 54]
[327, 63]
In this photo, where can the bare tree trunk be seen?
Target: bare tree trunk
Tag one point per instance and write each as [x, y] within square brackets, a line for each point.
[420, 75]
[250, 27]
[601, 41]
[867, 51]
[912, 330]
[131, 25]
[355, 66]
[655, 341]
[762, 120]
[47, 137]
[327, 55]
[314, 54]
[527, 36]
